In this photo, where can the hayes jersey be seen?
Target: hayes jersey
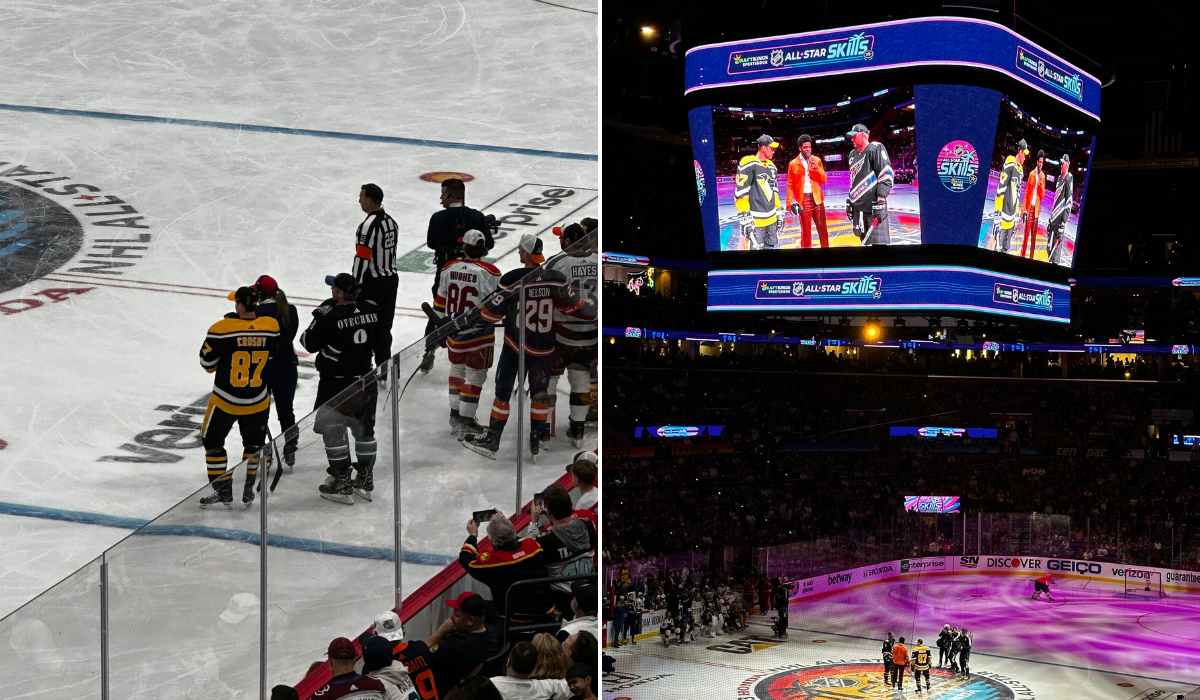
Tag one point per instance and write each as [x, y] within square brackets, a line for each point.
[870, 173]
[343, 336]
[545, 292]
[464, 285]
[418, 659]
[581, 274]
[236, 352]
[1007, 194]
[757, 189]
[1062, 199]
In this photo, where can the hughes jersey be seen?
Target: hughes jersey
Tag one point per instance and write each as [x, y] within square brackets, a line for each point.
[870, 173]
[544, 293]
[1007, 194]
[236, 352]
[463, 285]
[581, 273]
[757, 189]
[1062, 200]
[343, 336]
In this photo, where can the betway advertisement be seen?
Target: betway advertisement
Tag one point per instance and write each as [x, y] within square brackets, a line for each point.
[902, 288]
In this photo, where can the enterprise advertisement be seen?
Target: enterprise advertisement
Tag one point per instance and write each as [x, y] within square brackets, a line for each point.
[910, 288]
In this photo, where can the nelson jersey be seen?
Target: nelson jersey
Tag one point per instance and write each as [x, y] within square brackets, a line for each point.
[1062, 200]
[581, 273]
[236, 351]
[464, 285]
[343, 337]
[757, 189]
[1007, 192]
[870, 173]
[544, 293]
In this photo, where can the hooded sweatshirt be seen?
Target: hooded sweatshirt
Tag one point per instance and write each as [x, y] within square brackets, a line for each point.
[570, 550]
[397, 684]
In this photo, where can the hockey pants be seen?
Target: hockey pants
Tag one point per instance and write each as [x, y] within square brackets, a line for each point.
[468, 371]
[862, 218]
[214, 430]
[347, 404]
[538, 371]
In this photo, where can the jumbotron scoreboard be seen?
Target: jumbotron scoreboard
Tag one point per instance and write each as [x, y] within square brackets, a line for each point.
[988, 140]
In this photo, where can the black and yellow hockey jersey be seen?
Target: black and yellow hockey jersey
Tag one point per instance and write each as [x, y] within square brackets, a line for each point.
[757, 189]
[236, 352]
[921, 658]
[1008, 192]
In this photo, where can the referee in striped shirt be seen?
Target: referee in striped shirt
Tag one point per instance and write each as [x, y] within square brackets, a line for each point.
[375, 264]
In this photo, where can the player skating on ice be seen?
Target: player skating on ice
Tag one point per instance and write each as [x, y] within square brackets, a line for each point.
[236, 351]
[1056, 230]
[576, 339]
[756, 197]
[1007, 196]
[463, 285]
[544, 291]
[871, 180]
[1042, 585]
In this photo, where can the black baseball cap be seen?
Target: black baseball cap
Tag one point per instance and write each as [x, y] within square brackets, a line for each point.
[1022, 146]
[585, 593]
[573, 232]
[765, 140]
[858, 129]
[245, 296]
[343, 281]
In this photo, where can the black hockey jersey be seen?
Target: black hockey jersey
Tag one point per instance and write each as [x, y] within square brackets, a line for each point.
[757, 189]
[1062, 199]
[1008, 192]
[545, 291]
[236, 352]
[343, 337]
[582, 276]
[870, 173]
[418, 659]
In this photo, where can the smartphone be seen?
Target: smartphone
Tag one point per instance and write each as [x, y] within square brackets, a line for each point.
[540, 499]
[482, 516]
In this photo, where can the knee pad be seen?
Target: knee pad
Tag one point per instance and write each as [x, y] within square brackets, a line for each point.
[476, 377]
[552, 388]
[579, 380]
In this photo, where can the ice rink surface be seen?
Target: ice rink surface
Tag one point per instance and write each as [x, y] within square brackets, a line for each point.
[158, 155]
[1091, 643]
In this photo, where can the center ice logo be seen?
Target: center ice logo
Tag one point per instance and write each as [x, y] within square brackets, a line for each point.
[958, 166]
[863, 679]
[37, 236]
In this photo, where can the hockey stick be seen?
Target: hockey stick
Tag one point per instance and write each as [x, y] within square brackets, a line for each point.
[278, 463]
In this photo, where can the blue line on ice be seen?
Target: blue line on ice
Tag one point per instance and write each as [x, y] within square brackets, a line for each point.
[302, 132]
[144, 527]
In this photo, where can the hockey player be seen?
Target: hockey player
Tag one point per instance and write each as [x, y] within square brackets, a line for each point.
[1031, 205]
[1008, 195]
[236, 351]
[463, 285]
[638, 607]
[687, 623]
[1042, 585]
[1056, 229]
[954, 644]
[545, 291]
[964, 654]
[756, 196]
[921, 661]
[806, 174]
[576, 339]
[666, 631]
[871, 181]
[887, 658]
[342, 336]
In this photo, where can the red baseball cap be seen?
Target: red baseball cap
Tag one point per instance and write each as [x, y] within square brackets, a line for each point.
[342, 648]
[266, 284]
[471, 603]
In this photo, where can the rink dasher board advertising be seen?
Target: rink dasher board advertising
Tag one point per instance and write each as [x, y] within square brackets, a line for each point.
[890, 289]
[1031, 567]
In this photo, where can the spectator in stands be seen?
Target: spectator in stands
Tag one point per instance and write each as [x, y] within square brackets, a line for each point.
[582, 646]
[475, 688]
[552, 661]
[585, 600]
[463, 641]
[345, 680]
[513, 559]
[379, 664]
[581, 679]
[517, 684]
[569, 544]
[583, 477]
[284, 692]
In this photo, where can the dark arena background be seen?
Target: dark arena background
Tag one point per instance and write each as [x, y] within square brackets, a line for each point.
[817, 436]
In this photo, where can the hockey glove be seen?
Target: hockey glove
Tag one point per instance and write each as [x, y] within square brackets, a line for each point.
[796, 208]
[879, 210]
[746, 224]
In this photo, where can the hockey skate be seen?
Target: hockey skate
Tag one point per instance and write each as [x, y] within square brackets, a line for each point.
[468, 427]
[289, 454]
[455, 419]
[363, 483]
[535, 443]
[575, 434]
[486, 444]
[337, 490]
[220, 499]
[248, 493]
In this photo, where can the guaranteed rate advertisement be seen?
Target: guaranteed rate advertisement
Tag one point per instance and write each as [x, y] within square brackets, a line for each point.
[815, 188]
[1035, 193]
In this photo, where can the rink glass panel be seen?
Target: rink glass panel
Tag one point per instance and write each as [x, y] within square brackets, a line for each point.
[50, 647]
[184, 602]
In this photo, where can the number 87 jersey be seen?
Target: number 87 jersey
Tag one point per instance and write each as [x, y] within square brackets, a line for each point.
[546, 291]
[235, 351]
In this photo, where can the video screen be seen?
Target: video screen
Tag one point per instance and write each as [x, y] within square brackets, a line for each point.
[931, 504]
[1033, 202]
[831, 192]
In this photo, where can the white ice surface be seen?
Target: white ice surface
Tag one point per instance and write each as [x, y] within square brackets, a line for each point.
[84, 376]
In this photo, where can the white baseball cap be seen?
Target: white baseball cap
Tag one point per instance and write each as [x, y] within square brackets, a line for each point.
[473, 237]
[387, 625]
[241, 605]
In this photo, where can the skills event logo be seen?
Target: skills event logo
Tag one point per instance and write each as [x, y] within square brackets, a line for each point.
[1070, 84]
[863, 679]
[867, 286]
[858, 47]
[958, 166]
[700, 181]
[1023, 296]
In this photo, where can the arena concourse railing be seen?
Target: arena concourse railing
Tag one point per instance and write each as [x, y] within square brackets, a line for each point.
[211, 603]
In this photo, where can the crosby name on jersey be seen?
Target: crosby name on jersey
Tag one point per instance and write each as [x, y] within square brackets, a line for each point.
[236, 352]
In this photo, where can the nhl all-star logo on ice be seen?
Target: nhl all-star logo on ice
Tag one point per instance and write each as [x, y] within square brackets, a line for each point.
[42, 226]
[861, 678]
